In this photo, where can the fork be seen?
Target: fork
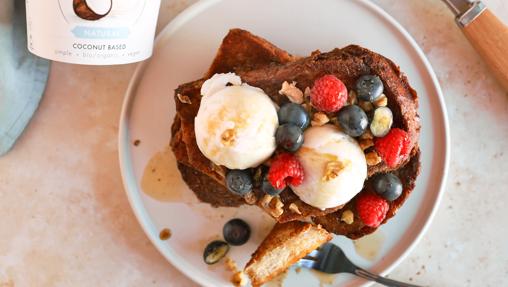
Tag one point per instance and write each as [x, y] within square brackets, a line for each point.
[329, 258]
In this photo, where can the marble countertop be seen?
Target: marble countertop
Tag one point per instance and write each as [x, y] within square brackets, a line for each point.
[65, 219]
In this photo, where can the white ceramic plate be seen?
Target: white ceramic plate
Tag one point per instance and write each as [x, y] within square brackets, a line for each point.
[184, 50]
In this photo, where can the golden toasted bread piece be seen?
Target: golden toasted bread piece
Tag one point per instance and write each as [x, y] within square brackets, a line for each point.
[285, 244]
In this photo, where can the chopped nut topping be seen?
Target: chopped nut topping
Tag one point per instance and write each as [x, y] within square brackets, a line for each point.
[239, 279]
[367, 135]
[333, 169]
[366, 106]
[372, 158]
[366, 143]
[294, 208]
[230, 264]
[382, 101]
[265, 201]
[184, 99]
[307, 107]
[306, 94]
[250, 198]
[228, 137]
[277, 210]
[319, 119]
[351, 100]
[347, 217]
[294, 94]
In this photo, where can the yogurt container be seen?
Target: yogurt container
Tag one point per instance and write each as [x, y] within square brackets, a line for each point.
[92, 32]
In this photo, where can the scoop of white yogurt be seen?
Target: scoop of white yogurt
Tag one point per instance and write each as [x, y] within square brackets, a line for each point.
[335, 167]
[235, 125]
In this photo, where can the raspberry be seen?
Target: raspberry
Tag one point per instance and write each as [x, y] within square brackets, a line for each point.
[371, 208]
[394, 147]
[328, 94]
[285, 169]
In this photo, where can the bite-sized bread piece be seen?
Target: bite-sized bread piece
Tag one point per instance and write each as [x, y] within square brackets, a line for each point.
[283, 246]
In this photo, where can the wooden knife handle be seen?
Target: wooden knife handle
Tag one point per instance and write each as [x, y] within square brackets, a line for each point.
[489, 36]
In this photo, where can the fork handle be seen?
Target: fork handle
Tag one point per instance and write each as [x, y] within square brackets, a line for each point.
[489, 36]
[382, 280]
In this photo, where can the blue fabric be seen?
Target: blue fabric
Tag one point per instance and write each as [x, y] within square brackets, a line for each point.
[23, 76]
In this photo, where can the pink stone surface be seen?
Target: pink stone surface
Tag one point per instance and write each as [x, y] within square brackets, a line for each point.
[65, 219]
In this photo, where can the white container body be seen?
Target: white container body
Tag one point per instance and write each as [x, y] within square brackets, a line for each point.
[92, 32]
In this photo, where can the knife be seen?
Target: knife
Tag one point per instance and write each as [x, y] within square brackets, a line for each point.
[487, 34]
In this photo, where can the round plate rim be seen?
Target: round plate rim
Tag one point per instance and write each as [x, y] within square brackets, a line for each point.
[128, 178]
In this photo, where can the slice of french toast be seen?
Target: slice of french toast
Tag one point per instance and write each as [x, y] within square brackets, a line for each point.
[285, 245]
[349, 63]
[240, 50]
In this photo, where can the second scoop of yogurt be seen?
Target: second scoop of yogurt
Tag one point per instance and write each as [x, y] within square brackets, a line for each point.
[335, 167]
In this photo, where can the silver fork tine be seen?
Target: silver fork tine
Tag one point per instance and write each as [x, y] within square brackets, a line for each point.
[306, 263]
[314, 253]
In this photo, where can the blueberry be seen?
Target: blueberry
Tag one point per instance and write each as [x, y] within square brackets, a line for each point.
[369, 88]
[215, 251]
[236, 232]
[289, 137]
[353, 120]
[268, 188]
[239, 182]
[388, 186]
[294, 114]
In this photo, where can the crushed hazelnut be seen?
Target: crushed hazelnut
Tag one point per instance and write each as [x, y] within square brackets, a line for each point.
[184, 99]
[276, 208]
[319, 119]
[367, 135]
[382, 101]
[347, 217]
[372, 158]
[265, 201]
[293, 207]
[306, 94]
[366, 106]
[294, 94]
[250, 198]
[230, 264]
[352, 98]
[228, 137]
[333, 169]
[239, 279]
[366, 143]
[307, 107]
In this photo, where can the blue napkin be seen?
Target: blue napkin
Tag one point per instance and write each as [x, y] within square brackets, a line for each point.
[23, 76]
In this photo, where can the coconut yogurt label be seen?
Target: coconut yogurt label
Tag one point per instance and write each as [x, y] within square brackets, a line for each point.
[93, 32]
